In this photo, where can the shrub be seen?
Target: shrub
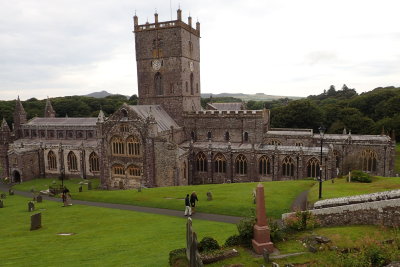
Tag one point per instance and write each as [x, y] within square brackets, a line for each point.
[233, 240]
[176, 254]
[245, 228]
[208, 244]
[301, 220]
[276, 232]
[361, 177]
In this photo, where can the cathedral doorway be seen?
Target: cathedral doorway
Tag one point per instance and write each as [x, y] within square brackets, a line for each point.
[16, 177]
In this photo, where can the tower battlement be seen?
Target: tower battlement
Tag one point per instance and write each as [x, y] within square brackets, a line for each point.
[167, 24]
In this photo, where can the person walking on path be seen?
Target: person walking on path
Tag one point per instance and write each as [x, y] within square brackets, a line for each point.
[193, 199]
[188, 210]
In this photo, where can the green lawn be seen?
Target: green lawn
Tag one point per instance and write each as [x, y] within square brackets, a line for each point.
[229, 199]
[103, 237]
[342, 188]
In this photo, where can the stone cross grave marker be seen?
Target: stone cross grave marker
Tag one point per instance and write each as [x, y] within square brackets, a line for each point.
[31, 206]
[262, 239]
[209, 196]
[10, 192]
[3, 196]
[80, 188]
[36, 221]
[89, 185]
[39, 199]
[1, 204]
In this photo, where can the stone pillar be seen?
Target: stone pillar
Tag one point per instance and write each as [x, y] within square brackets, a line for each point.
[261, 230]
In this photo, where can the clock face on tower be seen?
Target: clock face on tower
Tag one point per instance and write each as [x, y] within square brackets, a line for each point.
[191, 66]
[156, 64]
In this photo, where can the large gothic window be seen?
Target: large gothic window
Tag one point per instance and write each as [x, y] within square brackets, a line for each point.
[72, 161]
[117, 146]
[313, 168]
[118, 170]
[158, 84]
[94, 162]
[133, 171]
[264, 165]
[287, 167]
[133, 146]
[191, 84]
[274, 142]
[241, 165]
[220, 164]
[51, 161]
[201, 162]
[368, 160]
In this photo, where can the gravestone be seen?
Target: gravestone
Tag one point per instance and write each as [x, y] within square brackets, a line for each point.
[192, 252]
[121, 185]
[89, 185]
[3, 196]
[262, 239]
[34, 198]
[266, 255]
[209, 196]
[80, 189]
[10, 192]
[1, 203]
[139, 189]
[39, 199]
[36, 221]
[32, 190]
[31, 206]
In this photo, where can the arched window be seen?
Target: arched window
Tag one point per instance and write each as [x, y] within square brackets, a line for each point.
[191, 84]
[94, 162]
[220, 164]
[299, 144]
[193, 135]
[51, 161]
[227, 137]
[337, 159]
[287, 167]
[264, 165]
[117, 146]
[274, 142]
[133, 171]
[246, 136]
[124, 113]
[118, 170]
[184, 170]
[201, 162]
[187, 87]
[313, 168]
[368, 160]
[241, 165]
[133, 146]
[158, 84]
[72, 162]
[209, 135]
[197, 87]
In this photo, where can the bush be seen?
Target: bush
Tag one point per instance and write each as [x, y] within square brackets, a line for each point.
[233, 240]
[208, 244]
[301, 220]
[276, 232]
[361, 177]
[245, 228]
[176, 254]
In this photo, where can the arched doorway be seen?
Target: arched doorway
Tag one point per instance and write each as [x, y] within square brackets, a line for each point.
[16, 177]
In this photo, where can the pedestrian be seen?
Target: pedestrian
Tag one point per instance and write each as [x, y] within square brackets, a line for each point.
[188, 210]
[193, 199]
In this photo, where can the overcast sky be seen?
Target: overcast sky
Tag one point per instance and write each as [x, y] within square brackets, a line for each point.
[278, 47]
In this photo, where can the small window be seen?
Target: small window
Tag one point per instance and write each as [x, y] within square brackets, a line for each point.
[227, 137]
[193, 135]
[187, 87]
[209, 135]
[246, 136]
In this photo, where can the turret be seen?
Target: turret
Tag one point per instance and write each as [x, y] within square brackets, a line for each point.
[4, 126]
[190, 21]
[19, 118]
[179, 14]
[135, 20]
[48, 110]
[155, 17]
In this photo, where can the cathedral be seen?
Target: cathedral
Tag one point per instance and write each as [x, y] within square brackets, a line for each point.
[168, 139]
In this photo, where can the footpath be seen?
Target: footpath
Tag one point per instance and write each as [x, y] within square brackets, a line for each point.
[175, 213]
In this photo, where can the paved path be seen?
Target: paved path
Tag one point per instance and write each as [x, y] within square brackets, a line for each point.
[176, 213]
[300, 203]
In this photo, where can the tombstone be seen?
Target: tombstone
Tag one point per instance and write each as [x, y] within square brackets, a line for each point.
[3, 196]
[266, 255]
[89, 185]
[262, 239]
[80, 189]
[1, 204]
[192, 252]
[39, 199]
[31, 206]
[209, 196]
[34, 198]
[10, 192]
[121, 185]
[139, 189]
[32, 190]
[36, 221]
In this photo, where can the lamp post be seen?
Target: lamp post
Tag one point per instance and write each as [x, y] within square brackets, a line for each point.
[321, 133]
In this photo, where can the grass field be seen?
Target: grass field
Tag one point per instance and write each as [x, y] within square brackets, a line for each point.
[103, 237]
[342, 188]
[228, 199]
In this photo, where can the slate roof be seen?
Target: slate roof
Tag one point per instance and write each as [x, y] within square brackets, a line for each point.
[225, 106]
[163, 120]
[62, 122]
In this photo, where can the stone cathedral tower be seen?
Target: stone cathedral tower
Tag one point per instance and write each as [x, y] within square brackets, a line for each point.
[168, 65]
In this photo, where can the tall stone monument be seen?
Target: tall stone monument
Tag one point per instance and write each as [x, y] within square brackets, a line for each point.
[261, 230]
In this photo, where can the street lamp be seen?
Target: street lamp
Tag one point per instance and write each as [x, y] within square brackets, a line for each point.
[321, 133]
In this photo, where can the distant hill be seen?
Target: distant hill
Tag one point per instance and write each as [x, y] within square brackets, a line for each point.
[247, 97]
[101, 94]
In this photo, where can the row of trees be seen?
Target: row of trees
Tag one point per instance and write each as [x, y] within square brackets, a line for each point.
[367, 113]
